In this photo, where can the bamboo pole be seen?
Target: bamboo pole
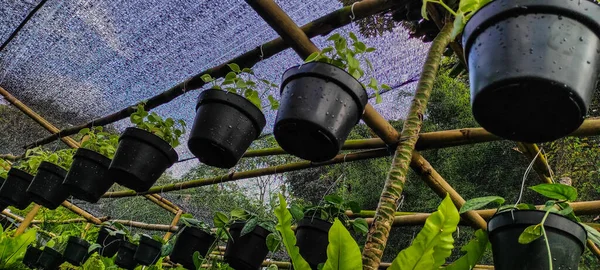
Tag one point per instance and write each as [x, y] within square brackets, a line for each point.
[147, 226]
[27, 220]
[159, 203]
[165, 201]
[252, 173]
[394, 184]
[81, 212]
[540, 165]
[437, 183]
[85, 230]
[320, 26]
[173, 224]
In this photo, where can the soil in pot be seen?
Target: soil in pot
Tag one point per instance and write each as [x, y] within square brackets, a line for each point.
[46, 187]
[76, 251]
[246, 252]
[141, 158]
[125, 254]
[320, 104]
[567, 241]
[14, 188]
[50, 259]
[224, 127]
[30, 259]
[148, 252]
[533, 66]
[109, 243]
[312, 238]
[188, 241]
[88, 177]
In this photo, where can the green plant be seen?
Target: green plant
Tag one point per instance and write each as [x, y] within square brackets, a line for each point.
[212, 265]
[12, 249]
[333, 207]
[102, 142]
[348, 58]
[466, 9]
[223, 221]
[189, 221]
[559, 196]
[4, 167]
[241, 82]
[35, 156]
[167, 129]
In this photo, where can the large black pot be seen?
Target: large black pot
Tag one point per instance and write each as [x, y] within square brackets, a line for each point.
[567, 241]
[188, 241]
[246, 252]
[141, 158]
[109, 244]
[320, 104]
[14, 188]
[88, 177]
[46, 187]
[76, 251]
[50, 259]
[312, 238]
[224, 127]
[148, 252]
[124, 257]
[30, 259]
[533, 66]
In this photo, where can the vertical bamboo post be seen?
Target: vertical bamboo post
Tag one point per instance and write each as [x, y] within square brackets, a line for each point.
[173, 224]
[85, 230]
[27, 220]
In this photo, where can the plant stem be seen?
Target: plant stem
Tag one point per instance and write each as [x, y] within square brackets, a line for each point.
[441, 2]
[546, 239]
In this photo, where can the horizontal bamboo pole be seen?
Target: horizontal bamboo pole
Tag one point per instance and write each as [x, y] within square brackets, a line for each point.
[147, 226]
[320, 26]
[252, 173]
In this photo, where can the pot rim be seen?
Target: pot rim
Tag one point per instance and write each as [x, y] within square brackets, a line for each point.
[78, 241]
[241, 103]
[153, 140]
[500, 221]
[585, 12]
[93, 156]
[314, 223]
[149, 241]
[258, 230]
[196, 232]
[52, 168]
[20, 174]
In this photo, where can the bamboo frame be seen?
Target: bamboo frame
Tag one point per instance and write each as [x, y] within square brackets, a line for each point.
[27, 220]
[173, 224]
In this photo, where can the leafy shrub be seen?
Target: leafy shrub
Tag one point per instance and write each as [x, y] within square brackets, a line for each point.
[13, 248]
[167, 129]
[35, 156]
[102, 142]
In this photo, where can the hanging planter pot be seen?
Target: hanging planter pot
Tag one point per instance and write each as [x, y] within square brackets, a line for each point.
[30, 259]
[312, 238]
[46, 187]
[224, 127]
[141, 158]
[88, 177]
[125, 254]
[14, 188]
[148, 251]
[533, 66]
[188, 241]
[566, 238]
[76, 252]
[246, 252]
[320, 104]
[50, 259]
[109, 244]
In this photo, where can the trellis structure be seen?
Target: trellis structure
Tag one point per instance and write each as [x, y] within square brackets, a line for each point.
[406, 143]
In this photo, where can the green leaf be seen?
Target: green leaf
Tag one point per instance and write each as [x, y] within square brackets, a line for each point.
[473, 252]
[343, 251]
[424, 9]
[333, 198]
[230, 76]
[386, 87]
[274, 102]
[434, 243]
[478, 203]
[378, 98]
[239, 214]
[353, 206]
[361, 47]
[373, 83]
[556, 191]
[234, 67]
[206, 78]
[459, 25]
[273, 242]
[370, 49]
[312, 57]
[220, 219]
[530, 234]
[284, 226]
[296, 212]
[249, 227]
[353, 36]
[592, 234]
[526, 206]
[196, 259]
[248, 70]
[334, 37]
[360, 225]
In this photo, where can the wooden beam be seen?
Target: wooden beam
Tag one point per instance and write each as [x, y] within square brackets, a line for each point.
[321, 26]
[27, 220]
[153, 199]
[540, 165]
[81, 212]
[173, 224]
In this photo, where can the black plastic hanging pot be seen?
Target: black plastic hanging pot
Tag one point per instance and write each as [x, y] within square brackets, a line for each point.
[246, 252]
[76, 252]
[141, 158]
[312, 238]
[30, 259]
[50, 259]
[566, 238]
[224, 127]
[46, 187]
[88, 177]
[148, 251]
[125, 254]
[14, 188]
[320, 104]
[189, 241]
[109, 244]
[533, 66]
